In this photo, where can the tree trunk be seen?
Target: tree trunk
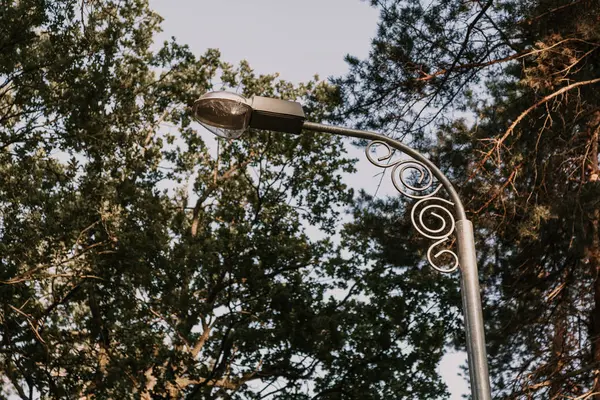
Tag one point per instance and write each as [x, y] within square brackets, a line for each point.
[594, 253]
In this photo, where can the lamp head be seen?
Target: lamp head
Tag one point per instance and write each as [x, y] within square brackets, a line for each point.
[229, 115]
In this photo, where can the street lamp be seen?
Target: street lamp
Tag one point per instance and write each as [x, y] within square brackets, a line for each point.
[230, 115]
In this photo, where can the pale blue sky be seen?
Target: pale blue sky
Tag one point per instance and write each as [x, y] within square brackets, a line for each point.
[297, 39]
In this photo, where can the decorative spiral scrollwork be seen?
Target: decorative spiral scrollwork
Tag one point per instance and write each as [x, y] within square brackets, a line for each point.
[430, 215]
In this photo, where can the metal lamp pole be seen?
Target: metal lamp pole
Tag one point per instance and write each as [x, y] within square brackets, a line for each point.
[230, 115]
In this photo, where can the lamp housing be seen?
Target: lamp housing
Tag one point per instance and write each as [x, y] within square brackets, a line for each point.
[229, 115]
[276, 115]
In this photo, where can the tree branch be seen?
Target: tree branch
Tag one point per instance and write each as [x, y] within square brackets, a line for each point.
[200, 343]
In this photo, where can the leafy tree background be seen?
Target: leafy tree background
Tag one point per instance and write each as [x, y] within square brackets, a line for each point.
[136, 264]
[504, 96]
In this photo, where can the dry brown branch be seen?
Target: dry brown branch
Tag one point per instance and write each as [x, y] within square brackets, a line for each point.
[586, 396]
[556, 291]
[512, 126]
[499, 191]
[548, 382]
[568, 68]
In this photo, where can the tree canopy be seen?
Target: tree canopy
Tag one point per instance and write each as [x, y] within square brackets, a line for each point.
[139, 259]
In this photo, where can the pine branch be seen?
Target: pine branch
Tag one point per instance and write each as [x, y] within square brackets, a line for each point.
[522, 54]
[529, 21]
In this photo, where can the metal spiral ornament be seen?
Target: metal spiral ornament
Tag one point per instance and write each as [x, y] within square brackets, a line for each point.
[428, 208]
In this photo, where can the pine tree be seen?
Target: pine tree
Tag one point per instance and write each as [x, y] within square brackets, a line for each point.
[504, 95]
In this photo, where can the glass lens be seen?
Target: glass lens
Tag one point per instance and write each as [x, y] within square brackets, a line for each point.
[224, 133]
[224, 110]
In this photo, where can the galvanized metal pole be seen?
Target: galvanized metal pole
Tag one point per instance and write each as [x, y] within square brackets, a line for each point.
[473, 314]
[469, 277]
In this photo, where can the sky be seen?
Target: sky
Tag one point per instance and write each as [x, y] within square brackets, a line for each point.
[297, 39]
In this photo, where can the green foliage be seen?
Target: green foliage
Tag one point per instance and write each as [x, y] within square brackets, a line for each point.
[139, 261]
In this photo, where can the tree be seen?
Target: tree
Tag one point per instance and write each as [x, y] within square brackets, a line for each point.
[504, 95]
[137, 261]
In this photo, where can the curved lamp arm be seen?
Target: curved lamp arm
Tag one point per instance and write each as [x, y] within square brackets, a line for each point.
[377, 137]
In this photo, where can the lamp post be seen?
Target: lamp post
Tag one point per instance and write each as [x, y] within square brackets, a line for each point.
[229, 115]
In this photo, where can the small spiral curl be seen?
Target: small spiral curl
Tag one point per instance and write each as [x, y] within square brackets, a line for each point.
[400, 172]
[422, 191]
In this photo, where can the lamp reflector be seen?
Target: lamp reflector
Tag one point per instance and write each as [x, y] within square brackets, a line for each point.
[225, 114]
